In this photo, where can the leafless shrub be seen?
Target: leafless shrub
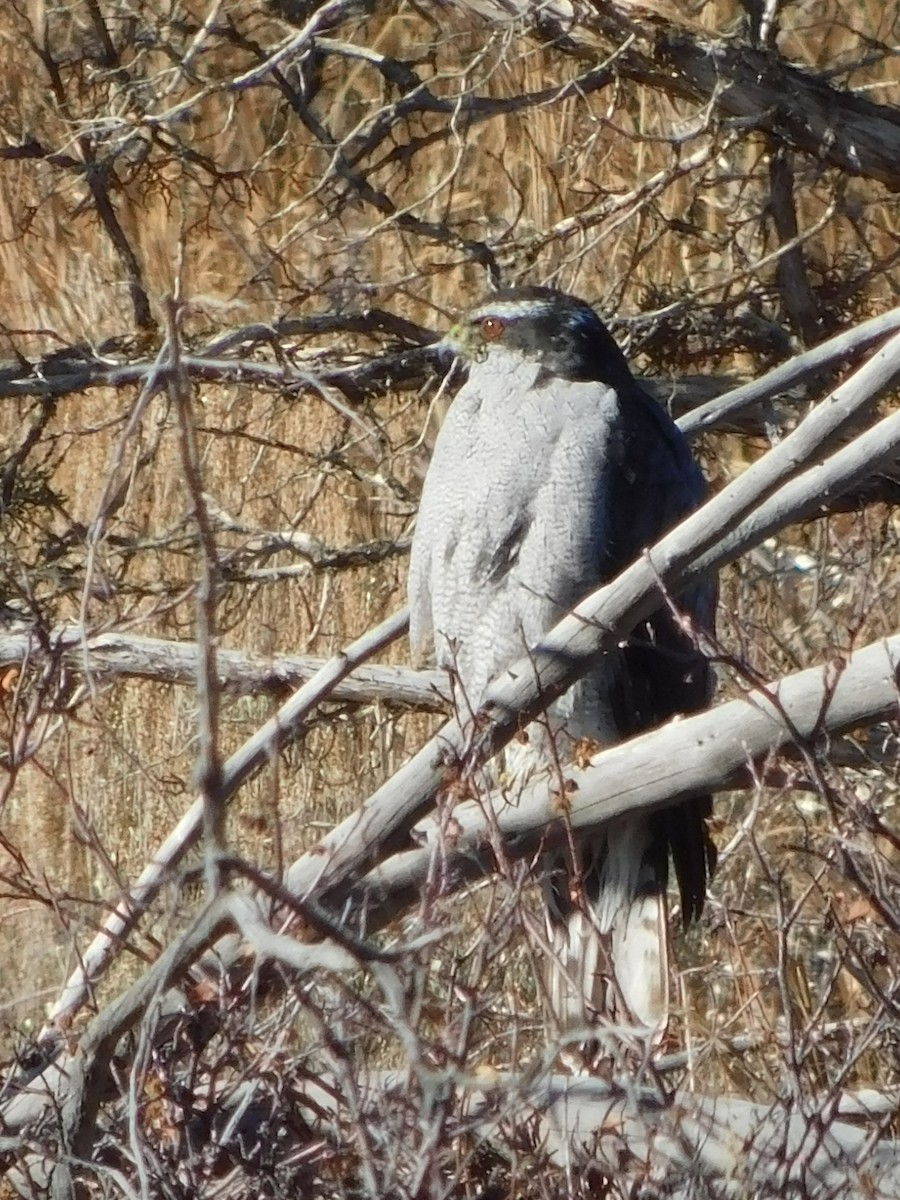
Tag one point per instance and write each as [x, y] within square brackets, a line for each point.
[236, 230]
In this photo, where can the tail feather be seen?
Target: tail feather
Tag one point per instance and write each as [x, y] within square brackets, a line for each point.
[577, 973]
[640, 961]
[610, 944]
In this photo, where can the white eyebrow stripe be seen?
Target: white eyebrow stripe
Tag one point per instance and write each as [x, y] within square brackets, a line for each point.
[511, 309]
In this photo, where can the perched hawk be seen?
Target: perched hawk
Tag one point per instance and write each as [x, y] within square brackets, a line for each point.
[553, 470]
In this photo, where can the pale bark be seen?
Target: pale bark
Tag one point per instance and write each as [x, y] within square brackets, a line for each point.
[255, 752]
[692, 755]
[118, 655]
[731, 1146]
[714, 535]
[719, 411]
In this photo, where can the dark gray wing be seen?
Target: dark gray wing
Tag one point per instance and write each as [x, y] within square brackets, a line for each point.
[662, 672]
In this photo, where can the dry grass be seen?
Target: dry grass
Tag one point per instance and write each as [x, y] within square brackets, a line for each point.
[235, 204]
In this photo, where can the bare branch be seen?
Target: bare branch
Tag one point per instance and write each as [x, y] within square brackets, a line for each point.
[274, 734]
[692, 755]
[689, 1139]
[714, 535]
[209, 777]
[130, 656]
[706, 402]
[754, 86]
[716, 413]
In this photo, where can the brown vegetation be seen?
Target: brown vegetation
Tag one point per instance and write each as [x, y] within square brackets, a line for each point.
[229, 233]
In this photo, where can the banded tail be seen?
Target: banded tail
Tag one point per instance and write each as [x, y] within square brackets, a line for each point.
[608, 926]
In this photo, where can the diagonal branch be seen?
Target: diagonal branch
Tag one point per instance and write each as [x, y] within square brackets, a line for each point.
[241, 765]
[755, 87]
[716, 413]
[711, 537]
[687, 757]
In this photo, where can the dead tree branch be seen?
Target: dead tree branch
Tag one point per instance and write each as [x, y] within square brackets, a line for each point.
[678, 1141]
[254, 754]
[117, 655]
[747, 84]
[716, 534]
[693, 755]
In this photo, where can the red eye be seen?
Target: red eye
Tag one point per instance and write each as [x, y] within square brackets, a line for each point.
[492, 329]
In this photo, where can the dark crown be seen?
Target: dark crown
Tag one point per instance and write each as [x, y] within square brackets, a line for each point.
[562, 332]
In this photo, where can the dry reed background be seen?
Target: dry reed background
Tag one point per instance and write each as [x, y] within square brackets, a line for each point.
[308, 190]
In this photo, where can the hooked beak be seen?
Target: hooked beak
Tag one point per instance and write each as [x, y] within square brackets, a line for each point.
[450, 350]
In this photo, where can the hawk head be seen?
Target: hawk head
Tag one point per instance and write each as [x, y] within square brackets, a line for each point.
[561, 333]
